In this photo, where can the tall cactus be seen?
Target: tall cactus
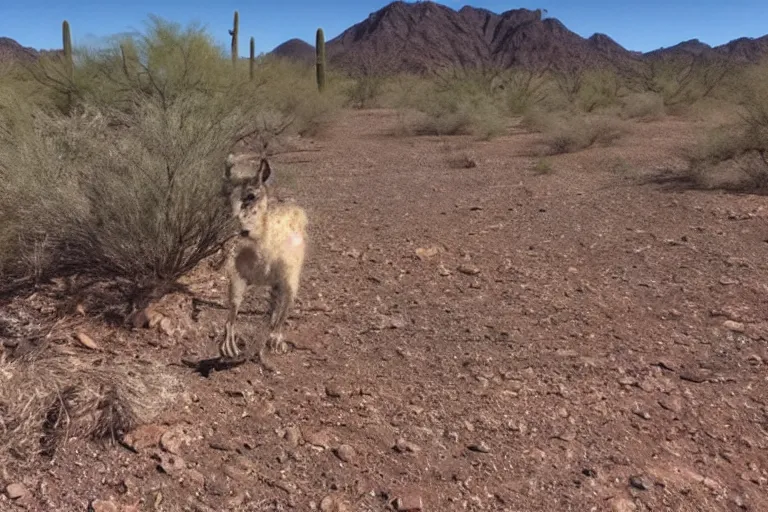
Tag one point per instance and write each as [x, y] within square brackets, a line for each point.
[252, 59]
[69, 64]
[320, 59]
[67, 44]
[234, 33]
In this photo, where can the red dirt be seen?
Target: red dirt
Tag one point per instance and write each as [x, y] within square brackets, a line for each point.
[582, 345]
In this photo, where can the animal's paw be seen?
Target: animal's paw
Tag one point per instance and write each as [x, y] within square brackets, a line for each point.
[276, 343]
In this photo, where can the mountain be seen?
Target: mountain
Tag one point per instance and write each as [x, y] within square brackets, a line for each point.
[296, 49]
[10, 50]
[425, 36]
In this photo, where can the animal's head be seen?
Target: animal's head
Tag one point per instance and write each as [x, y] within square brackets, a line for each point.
[248, 192]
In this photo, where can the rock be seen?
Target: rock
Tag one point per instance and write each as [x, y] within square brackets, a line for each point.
[480, 447]
[412, 503]
[143, 437]
[640, 482]
[173, 440]
[196, 477]
[333, 390]
[441, 270]
[467, 269]
[328, 504]
[293, 436]
[711, 484]
[402, 446]
[425, 253]
[390, 322]
[623, 505]
[87, 341]
[672, 403]
[166, 326]
[235, 473]
[102, 506]
[734, 326]
[16, 491]
[225, 444]
[319, 439]
[170, 464]
[345, 452]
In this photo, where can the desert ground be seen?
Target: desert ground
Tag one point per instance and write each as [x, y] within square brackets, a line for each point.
[473, 332]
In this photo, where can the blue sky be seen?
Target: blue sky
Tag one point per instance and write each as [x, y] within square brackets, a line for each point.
[639, 25]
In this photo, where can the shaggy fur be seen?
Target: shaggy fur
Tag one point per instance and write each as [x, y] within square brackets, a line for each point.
[269, 252]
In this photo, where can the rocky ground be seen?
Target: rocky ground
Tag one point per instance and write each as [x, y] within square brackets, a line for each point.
[471, 335]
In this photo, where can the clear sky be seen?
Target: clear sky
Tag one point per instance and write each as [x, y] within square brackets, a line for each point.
[641, 25]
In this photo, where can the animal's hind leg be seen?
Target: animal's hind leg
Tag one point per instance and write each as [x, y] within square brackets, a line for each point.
[284, 295]
[228, 348]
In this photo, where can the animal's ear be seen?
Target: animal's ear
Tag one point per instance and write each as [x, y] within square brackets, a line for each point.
[265, 171]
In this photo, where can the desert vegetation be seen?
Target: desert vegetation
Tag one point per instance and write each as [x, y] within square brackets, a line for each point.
[467, 255]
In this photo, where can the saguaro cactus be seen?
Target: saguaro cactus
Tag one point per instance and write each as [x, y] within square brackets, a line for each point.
[234, 33]
[67, 44]
[320, 59]
[252, 59]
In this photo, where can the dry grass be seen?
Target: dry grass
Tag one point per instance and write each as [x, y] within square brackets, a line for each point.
[61, 394]
[564, 134]
[647, 106]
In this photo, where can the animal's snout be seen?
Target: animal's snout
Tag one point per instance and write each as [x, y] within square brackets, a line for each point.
[244, 232]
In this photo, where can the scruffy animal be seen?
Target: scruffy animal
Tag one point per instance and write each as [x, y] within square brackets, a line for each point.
[269, 251]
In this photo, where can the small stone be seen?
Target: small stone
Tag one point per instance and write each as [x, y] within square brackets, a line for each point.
[640, 482]
[102, 506]
[222, 443]
[402, 446]
[173, 439]
[734, 326]
[425, 253]
[623, 505]
[467, 269]
[480, 447]
[345, 452]
[409, 504]
[143, 437]
[170, 464]
[166, 326]
[444, 272]
[16, 491]
[196, 477]
[87, 341]
[333, 390]
[328, 504]
[672, 403]
[235, 473]
[293, 436]
[319, 439]
[711, 484]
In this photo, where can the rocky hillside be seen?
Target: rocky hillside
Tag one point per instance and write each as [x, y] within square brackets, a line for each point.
[425, 36]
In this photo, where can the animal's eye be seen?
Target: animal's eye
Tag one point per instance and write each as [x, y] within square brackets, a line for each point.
[249, 198]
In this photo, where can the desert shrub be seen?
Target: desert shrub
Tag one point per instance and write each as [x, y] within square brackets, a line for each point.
[129, 185]
[570, 134]
[741, 147]
[598, 89]
[646, 106]
[456, 106]
[683, 80]
[56, 395]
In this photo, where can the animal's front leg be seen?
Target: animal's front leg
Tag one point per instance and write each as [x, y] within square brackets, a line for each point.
[228, 348]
